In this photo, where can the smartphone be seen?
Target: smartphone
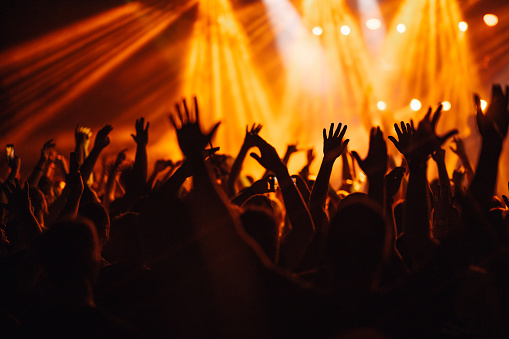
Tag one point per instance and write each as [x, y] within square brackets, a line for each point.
[272, 183]
[9, 149]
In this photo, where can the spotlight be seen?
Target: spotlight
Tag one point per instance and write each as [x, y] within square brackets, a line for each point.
[317, 30]
[463, 26]
[373, 24]
[401, 28]
[415, 105]
[490, 20]
[446, 106]
[381, 105]
[345, 30]
[484, 104]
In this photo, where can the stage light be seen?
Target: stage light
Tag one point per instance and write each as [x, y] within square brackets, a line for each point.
[345, 30]
[401, 28]
[463, 26]
[317, 30]
[381, 105]
[484, 104]
[373, 24]
[446, 106]
[415, 105]
[491, 20]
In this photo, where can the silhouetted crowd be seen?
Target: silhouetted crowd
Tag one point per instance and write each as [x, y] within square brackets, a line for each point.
[199, 249]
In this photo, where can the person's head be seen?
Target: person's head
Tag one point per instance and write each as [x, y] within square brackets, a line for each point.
[260, 224]
[69, 250]
[100, 219]
[359, 240]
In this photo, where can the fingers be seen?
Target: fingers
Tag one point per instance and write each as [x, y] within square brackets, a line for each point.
[256, 157]
[338, 130]
[357, 157]
[180, 116]
[343, 131]
[331, 130]
[428, 114]
[394, 141]
[196, 113]
[324, 134]
[436, 116]
[211, 133]
[398, 131]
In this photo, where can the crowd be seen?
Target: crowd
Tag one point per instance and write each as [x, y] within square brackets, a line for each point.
[199, 249]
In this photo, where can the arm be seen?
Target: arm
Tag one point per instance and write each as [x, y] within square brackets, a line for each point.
[493, 128]
[237, 165]
[375, 165]
[101, 141]
[109, 191]
[416, 146]
[333, 147]
[310, 156]
[82, 139]
[36, 175]
[74, 184]
[159, 166]
[460, 152]
[347, 177]
[141, 161]
[303, 229]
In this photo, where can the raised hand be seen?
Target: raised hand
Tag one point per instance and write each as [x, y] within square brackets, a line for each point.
[310, 156]
[333, 145]
[269, 157]
[404, 141]
[376, 161]
[141, 137]
[190, 136]
[162, 164]
[494, 124]
[248, 140]
[101, 139]
[460, 147]
[82, 135]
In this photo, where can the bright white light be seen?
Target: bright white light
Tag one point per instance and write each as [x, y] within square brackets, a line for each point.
[401, 28]
[373, 24]
[463, 26]
[381, 105]
[490, 20]
[484, 104]
[345, 30]
[446, 106]
[317, 30]
[415, 105]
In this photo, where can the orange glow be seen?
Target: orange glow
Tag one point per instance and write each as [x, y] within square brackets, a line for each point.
[463, 26]
[373, 24]
[490, 20]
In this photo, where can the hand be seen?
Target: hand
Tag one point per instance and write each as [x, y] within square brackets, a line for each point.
[393, 181]
[493, 125]
[18, 199]
[190, 137]
[269, 157]
[102, 140]
[310, 155]
[141, 137]
[263, 185]
[376, 161]
[334, 146]
[290, 149]
[161, 165]
[248, 140]
[457, 181]
[46, 149]
[460, 147]
[405, 134]
[82, 135]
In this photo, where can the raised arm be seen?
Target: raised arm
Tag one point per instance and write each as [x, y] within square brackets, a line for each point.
[493, 129]
[38, 171]
[375, 165]
[333, 147]
[237, 165]
[101, 141]
[303, 228]
[417, 146]
[462, 154]
[141, 161]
